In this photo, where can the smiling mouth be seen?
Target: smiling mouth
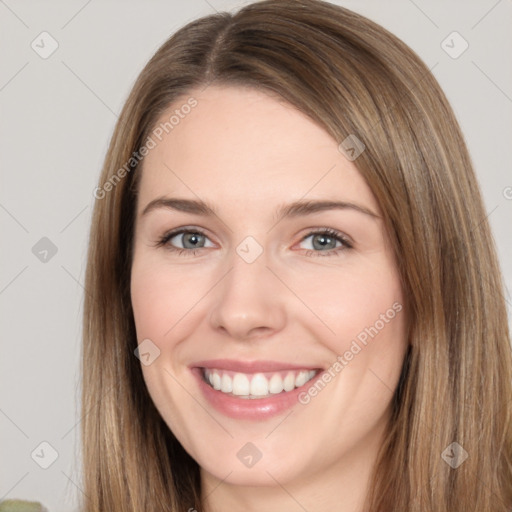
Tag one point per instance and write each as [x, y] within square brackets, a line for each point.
[256, 385]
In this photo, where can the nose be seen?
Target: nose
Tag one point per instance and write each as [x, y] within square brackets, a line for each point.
[249, 302]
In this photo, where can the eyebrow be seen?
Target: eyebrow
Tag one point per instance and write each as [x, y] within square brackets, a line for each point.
[295, 209]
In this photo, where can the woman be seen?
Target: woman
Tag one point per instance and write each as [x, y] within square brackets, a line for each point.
[225, 365]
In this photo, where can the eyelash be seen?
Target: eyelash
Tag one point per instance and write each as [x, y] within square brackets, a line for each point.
[331, 233]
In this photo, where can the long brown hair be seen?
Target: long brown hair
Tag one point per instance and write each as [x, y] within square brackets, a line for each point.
[355, 79]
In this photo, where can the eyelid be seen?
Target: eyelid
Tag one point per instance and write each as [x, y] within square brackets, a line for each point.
[332, 232]
[347, 242]
[179, 231]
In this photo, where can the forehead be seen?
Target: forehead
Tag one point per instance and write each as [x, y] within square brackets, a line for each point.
[241, 144]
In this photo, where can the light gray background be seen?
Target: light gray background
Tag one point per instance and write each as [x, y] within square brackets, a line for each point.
[57, 117]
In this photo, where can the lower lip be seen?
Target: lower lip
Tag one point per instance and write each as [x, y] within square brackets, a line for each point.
[249, 408]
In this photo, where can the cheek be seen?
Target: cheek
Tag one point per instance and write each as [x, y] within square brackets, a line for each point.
[354, 302]
[161, 298]
[345, 302]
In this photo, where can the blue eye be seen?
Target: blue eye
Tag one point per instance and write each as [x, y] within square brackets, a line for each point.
[190, 239]
[325, 242]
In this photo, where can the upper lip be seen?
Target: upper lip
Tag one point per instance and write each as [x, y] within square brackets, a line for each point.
[251, 366]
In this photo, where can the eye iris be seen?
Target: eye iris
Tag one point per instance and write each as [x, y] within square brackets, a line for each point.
[192, 237]
[324, 241]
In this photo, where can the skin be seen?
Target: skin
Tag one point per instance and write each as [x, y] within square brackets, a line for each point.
[247, 153]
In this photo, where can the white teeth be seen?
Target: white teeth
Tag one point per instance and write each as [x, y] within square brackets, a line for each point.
[216, 381]
[257, 385]
[276, 384]
[227, 384]
[241, 385]
[301, 379]
[289, 382]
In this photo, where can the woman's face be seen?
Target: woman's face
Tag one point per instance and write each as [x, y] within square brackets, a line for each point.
[272, 334]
